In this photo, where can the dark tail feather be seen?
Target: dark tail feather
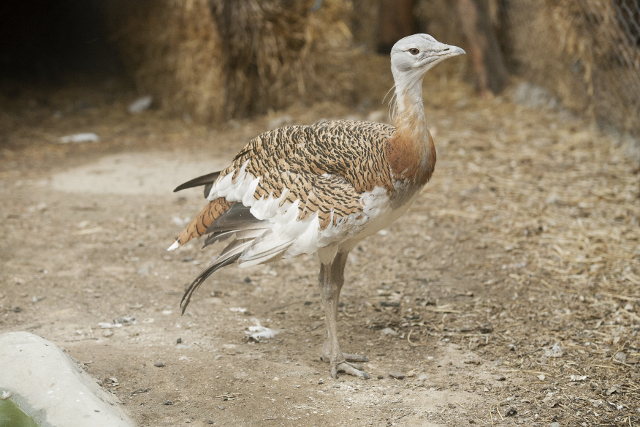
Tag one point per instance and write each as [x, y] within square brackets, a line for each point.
[238, 217]
[204, 275]
[206, 180]
[220, 236]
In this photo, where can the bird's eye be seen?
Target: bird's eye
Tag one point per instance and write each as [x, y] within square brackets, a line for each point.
[414, 51]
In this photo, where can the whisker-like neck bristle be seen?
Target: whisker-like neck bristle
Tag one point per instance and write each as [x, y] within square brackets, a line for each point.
[408, 109]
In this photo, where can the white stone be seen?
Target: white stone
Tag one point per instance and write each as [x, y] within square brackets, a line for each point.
[50, 386]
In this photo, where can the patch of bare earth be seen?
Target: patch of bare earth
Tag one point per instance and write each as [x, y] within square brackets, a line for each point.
[508, 294]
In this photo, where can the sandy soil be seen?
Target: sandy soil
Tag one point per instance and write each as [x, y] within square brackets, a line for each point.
[507, 295]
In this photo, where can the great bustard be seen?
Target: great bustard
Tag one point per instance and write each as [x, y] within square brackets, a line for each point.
[320, 189]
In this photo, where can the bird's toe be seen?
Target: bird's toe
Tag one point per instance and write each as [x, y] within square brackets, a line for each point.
[348, 357]
[355, 358]
[351, 369]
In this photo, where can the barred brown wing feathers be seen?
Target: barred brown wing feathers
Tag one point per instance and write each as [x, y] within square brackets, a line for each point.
[203, 220]
[325, 168]
[295, 157]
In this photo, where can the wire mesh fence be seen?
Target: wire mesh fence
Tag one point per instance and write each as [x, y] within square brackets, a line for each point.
[610, 52]
[587, 52]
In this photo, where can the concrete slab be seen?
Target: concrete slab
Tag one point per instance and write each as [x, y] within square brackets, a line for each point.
[50, 386]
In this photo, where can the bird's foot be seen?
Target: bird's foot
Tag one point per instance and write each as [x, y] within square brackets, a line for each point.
[348, 368]
[348, 357]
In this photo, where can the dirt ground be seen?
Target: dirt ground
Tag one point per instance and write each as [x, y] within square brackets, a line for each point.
[507, 295]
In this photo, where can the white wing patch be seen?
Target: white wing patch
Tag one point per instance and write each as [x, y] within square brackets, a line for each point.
[286, 236]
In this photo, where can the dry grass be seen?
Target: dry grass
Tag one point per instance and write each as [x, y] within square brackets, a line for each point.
[580, 50]
[527, 236]
[216, 60]
[557, 206]
[174, 52]
[277, 53]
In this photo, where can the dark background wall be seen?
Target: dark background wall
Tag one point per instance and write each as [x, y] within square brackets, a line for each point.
[51, 42]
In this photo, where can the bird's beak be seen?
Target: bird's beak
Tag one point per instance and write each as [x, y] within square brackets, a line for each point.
[455, 51]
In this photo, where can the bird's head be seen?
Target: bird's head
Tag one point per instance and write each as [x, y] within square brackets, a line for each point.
[413, 56]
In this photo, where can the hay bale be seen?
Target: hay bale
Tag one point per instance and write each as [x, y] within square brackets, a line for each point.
[365, 23]
[218, 59]
[174, 52]
[278, 52]
[581, 51]
[608, 43]
[535, 45]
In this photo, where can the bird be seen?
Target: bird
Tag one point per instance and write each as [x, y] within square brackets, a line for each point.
[320, 189]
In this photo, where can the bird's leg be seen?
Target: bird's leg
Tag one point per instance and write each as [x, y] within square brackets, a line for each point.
[331, 281]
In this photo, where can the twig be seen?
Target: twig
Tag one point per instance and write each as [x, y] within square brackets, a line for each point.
[443, 309]
[404, 415]
[631, 278]
[528, 372]
[622, 363]
[491, 415]
[628, 313]
[622, 297]
[344, 311]
[546, 284]
[498, 411]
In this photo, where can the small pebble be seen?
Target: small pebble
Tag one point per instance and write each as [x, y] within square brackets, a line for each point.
[139, 105]
[498, 377]
[397, 375]
[511, 412]
[159, 364]
[107, 333]
[168, 402]
[388, 331]
[612, 390]
[380, 377]
[555, 351]
[550, 401]
[179, 340]
[389, 304]
[621, 357]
